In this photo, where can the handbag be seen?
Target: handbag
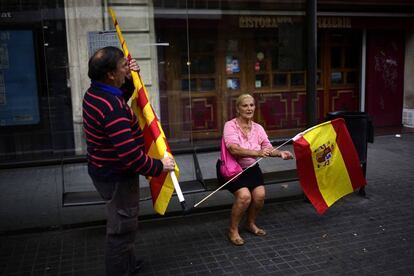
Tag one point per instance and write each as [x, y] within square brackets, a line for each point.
[229, 167]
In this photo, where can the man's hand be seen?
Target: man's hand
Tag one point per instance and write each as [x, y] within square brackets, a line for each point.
[168, 164]
[133, 66]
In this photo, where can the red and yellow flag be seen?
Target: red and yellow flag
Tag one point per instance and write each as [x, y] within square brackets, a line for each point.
[327, 163]
[156, 144]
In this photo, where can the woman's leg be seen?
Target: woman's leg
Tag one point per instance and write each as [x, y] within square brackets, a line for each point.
[242, 199]
[258, 196]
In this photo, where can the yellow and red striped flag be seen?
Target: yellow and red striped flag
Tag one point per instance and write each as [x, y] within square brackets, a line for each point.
[156, 145]
[327, 163]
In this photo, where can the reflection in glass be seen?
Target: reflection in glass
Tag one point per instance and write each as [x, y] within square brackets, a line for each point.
[280, 79]
[350, 77]
[297, 79]
[290, 47]
[336, 77]
[260, 66]
[351, 57]
[318, 78]
[232, 65]
[338, 38]
[318, 55]
[226, 58]
[202, 46]
[233, 83]
[183, 66]
[207, 84]
[185, 84]
[203, 65]
[262, 80]
[336, 57]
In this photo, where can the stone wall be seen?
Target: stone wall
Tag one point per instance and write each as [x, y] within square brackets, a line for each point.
[137, 24]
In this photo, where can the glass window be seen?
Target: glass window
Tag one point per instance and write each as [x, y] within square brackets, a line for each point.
[203, 65]
[336, 57]
[318, 78]
[297, 79]
[233, 83]
[19, 102]
[222, 48]
[207, 84]
[36, 123]
[184, 66]
[336, 77]
[280, 79]
[232, 64]
[185, 84]
[261, 81]
[351, 57]
[350, 77]
[291, 54]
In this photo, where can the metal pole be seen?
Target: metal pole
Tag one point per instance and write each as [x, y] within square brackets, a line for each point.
[363, 70]
[311, 63]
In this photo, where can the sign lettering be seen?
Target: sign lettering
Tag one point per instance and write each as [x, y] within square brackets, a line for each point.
[334, 22]
[261, 22]
[5, 14]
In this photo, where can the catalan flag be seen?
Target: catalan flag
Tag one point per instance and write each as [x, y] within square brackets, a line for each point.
[156, 145]
[327, 163]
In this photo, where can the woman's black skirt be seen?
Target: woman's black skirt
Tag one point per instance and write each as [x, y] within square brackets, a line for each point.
[250, 179]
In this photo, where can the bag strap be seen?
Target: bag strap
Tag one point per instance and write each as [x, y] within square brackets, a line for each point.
[223, 150]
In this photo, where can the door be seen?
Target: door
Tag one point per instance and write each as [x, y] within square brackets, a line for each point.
[340, 56]
[385, 77]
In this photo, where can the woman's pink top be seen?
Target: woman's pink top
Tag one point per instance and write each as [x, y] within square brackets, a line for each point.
[255, 140]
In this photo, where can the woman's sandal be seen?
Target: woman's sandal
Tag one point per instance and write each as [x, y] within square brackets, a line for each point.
[236, 241]
[258, 232]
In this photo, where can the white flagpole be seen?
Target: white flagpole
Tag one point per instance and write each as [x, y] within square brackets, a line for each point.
[177, 187]
[234, 177]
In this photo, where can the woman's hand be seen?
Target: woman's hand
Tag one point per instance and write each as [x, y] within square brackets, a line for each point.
[266, 152]
[168, 163]
[285, 155]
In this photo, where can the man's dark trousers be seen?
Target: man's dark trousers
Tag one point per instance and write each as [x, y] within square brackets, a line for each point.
[122, 206]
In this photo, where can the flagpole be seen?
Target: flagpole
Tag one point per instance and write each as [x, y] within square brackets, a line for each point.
[137, 79]
[234, 177]
[177, 188]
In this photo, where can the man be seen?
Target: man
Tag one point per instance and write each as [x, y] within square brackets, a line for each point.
[116, 156]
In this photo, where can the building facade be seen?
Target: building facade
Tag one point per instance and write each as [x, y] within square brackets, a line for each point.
[196, 57]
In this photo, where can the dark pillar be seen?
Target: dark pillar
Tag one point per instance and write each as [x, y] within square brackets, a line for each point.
[311, 63]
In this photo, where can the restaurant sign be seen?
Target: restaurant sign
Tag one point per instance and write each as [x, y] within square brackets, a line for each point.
[262, 22]
[336, 22]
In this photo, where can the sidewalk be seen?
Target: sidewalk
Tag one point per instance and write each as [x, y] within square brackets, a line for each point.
[360, 236]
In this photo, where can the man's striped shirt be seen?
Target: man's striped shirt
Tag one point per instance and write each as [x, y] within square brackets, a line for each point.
[115, 142]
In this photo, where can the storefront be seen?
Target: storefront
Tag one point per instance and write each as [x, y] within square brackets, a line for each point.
[263, 55]
[196, 57]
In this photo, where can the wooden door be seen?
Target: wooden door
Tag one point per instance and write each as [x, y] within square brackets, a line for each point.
[385, 77]
[192, 98]
[340, 63]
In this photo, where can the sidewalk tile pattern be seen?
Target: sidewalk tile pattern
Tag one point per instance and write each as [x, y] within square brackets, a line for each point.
[356, 236]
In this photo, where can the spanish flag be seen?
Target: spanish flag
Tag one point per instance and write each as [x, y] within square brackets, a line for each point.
[156, 145]
[327, 163]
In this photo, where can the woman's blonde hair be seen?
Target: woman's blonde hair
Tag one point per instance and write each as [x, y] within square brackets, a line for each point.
[241, 98]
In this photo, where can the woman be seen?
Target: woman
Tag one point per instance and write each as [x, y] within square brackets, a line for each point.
[246, 141]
